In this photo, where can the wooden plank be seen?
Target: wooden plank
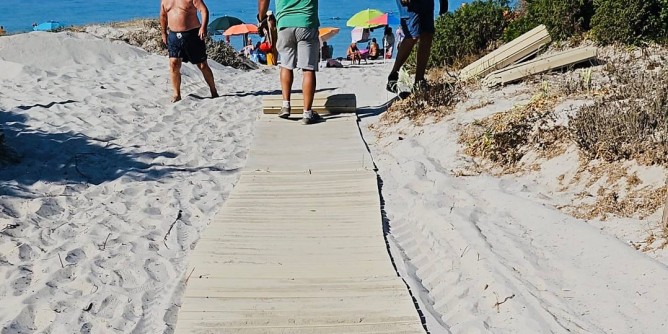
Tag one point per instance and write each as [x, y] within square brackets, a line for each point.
[322, 103]
[509, 53]
[541, 64]
[214, 327]
[284, 145]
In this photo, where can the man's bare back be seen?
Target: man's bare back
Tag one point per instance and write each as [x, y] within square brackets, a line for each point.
[181, 14]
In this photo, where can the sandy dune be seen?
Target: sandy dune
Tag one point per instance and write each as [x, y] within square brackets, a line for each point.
[116, 185]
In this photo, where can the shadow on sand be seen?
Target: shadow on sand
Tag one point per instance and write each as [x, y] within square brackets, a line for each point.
[74, 158]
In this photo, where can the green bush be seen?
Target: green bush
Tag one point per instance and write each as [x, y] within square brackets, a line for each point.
[629, 21]
[467, 31]
[563, 18]
[518, 27]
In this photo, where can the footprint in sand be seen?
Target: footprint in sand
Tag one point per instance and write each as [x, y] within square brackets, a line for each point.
[75, 256]
[49, 208]
[157, 270]
[22, 283]
[108, 307]
[26, 253]
[86, 328]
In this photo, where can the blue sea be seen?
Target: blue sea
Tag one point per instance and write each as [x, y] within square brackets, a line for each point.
[19, 15]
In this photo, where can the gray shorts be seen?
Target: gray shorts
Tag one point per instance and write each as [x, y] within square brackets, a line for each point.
[299, 48]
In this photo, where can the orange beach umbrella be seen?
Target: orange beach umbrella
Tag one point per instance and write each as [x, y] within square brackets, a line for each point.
[241, 29]
[327, 33]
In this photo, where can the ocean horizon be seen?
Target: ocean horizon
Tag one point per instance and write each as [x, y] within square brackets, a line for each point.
[17, 16]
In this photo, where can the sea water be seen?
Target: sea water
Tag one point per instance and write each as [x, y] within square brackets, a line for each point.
[19, 15]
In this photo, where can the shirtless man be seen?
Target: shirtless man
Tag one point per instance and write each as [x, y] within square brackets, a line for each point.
[185, 40]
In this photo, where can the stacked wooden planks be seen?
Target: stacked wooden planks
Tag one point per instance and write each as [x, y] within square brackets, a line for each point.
[516, 50]
[322, 103]
[539, 65]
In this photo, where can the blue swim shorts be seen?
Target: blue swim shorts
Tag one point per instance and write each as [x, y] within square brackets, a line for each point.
[186, 45]
[420, 19]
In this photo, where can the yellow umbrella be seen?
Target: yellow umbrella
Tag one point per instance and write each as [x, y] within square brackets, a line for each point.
[327, 33]
[362, 18]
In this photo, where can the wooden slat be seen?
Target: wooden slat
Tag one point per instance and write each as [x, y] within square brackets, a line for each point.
[287, 145]
[539, 65]
[322, 103]
[507, 54]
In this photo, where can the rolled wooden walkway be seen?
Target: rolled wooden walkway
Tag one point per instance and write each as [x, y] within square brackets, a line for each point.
[298, 246]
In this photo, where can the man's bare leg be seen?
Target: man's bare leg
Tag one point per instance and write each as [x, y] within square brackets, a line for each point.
[287, 77]
[403, 52]
[208, 77]
[424, 50]
[175, 69]
[308, 88]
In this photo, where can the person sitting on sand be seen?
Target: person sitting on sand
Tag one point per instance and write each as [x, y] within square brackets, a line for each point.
[324, 51]
[374, 51]
[2, 31]
[353, 53]
[185, 40]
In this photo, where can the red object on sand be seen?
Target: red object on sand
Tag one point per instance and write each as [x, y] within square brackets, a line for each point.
[265, 47]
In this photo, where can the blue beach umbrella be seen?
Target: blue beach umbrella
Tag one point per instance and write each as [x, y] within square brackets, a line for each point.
[48, 26]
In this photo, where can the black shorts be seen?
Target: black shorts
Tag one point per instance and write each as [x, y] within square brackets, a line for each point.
[186, 45]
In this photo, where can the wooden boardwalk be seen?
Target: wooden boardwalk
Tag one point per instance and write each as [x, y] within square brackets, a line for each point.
[298, 246]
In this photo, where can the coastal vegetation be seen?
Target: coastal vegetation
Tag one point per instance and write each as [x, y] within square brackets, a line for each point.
[621, 116]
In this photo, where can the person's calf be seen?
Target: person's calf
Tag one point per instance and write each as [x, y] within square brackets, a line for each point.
[208, 77]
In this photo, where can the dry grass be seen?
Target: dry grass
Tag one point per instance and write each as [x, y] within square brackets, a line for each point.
[505, 137]
[630, 122]
[434, 102]
[638, 204]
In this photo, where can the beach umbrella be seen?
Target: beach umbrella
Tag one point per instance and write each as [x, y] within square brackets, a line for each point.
[241, 29]
[224, 22]
[47, 26]
[362, 18]
[385, 20]
[360, 35]
[327, 33]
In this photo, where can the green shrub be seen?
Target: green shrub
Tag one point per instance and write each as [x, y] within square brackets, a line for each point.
[563, 18]
[518, 27]
[467, 31]
[629, 21]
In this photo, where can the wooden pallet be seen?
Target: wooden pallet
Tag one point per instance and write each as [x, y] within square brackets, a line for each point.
[539, 65]
[322, 103]
[516, 50]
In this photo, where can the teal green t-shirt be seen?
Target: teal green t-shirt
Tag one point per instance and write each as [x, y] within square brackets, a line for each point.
[297, 14]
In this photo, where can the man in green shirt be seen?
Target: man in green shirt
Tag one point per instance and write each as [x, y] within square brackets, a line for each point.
[299, 47]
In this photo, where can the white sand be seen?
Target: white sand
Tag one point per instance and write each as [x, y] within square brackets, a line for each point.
[108, 163]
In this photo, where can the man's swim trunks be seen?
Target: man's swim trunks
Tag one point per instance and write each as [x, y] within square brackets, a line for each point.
[417, 18]
[186, 45]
